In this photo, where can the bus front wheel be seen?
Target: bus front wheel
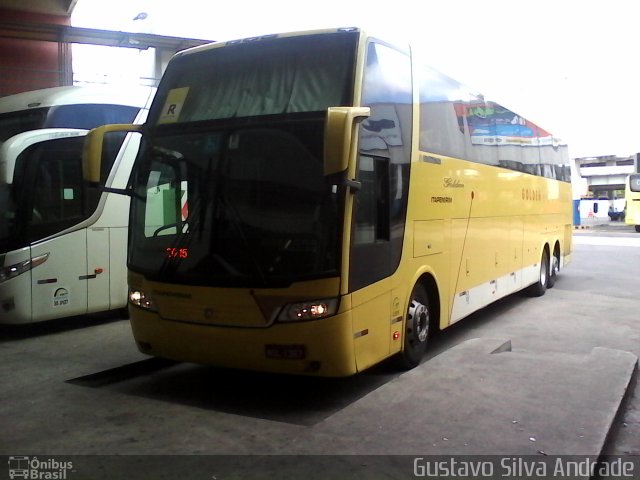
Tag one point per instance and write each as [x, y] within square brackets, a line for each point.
[416, 330]
[538, 288]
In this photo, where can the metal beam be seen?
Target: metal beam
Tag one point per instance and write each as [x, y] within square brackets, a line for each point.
[67, 34]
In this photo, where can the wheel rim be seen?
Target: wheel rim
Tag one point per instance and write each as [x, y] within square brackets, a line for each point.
[419, 320]
[555, 266]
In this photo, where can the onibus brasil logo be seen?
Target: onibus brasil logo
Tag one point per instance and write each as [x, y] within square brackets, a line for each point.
[33, 468]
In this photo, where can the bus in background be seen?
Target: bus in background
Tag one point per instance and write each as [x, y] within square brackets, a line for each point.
[62, 244]
[632, 197]
[83, 107]
[315, 203]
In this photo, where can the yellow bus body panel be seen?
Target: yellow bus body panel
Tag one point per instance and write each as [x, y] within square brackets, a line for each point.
[328, 344]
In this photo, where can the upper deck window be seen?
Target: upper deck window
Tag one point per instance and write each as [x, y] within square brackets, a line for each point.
[275, 76]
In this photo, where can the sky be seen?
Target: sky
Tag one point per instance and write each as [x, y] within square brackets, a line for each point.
[570, 66]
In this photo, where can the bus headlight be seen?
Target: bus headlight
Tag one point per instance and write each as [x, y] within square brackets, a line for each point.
[140, 299]
[12, 271]
[311, 310]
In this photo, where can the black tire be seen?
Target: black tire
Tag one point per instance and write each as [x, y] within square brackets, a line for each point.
[416, 330]
[554, 268]
[538, 288]
[638, 228]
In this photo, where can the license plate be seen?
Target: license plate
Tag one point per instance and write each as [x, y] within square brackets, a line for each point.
[286, 352]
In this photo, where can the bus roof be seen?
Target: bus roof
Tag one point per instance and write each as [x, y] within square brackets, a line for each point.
[94, 94]
[224, 43]
[10, 149]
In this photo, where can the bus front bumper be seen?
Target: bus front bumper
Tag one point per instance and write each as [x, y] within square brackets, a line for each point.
[320, 347]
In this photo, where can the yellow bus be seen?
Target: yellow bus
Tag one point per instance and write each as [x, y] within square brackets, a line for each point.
[632, 201]
[315, 203]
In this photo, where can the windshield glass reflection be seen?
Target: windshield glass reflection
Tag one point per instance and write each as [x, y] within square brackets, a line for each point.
[245, 207]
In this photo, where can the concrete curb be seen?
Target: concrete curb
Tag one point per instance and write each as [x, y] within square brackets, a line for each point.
[482, 398]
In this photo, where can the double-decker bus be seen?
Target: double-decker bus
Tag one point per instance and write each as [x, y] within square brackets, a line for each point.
[632, 200]
[62, 244]
[315, 203]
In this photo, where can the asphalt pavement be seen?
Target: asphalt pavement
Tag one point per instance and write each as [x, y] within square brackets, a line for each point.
[528, 378]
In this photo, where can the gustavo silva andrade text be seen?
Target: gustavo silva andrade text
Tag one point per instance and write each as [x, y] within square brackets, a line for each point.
[518, 467]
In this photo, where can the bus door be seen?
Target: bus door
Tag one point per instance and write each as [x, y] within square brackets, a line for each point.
[54, 203]
[380, 205]
[370, 262]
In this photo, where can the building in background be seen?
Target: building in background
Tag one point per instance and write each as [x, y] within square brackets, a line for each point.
[601, 185]
[36, 51]
[29, 60]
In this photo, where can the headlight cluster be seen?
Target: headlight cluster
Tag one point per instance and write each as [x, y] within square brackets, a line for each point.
[292, 312]
[311, 310]
[12, 271]
[140, 299]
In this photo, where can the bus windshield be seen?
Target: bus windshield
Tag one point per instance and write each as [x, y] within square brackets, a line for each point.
[230, 193]
[273, 76]
[47, 194]
[262, 212]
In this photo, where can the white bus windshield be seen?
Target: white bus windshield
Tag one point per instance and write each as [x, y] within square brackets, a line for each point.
[47, 194]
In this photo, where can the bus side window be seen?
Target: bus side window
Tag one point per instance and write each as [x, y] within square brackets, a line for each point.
[371, 248]
[372, 201]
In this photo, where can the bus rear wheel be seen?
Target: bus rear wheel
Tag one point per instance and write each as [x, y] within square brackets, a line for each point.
[554, 268]
[416, 330]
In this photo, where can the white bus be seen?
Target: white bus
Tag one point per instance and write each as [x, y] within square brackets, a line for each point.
[84, 107]
[62, 244]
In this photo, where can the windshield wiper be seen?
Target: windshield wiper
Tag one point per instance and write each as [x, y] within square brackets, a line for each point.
[181, 224]
[167, 153]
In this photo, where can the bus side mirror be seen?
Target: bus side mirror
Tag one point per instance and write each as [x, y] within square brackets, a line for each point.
[634, 182]
[338, 133]
[92, 151]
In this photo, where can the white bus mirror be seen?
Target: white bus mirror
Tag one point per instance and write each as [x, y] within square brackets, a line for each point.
[634, 182]
[338, 134]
